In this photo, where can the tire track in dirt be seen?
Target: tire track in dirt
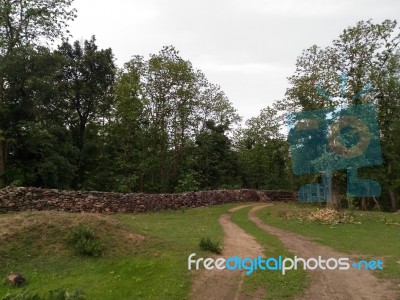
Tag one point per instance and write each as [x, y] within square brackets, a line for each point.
[330, 284]
[226, 284]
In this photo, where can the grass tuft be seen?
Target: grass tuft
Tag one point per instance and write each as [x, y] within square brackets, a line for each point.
[207, 244]
[85, 241]
[58, 294]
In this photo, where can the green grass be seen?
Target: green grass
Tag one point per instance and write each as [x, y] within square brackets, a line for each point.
[207, 244]
[371, 235]
[144, 256]
[37, 245]
[276, 285]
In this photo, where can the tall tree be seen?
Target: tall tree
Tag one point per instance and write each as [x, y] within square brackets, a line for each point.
[215, 161]
[263, 152]
[25, 23]
[366, 53]
[129, 132]
[39, 152]
[167, 104]
[86, 81]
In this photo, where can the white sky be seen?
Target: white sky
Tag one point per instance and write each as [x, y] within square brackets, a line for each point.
[248, 47]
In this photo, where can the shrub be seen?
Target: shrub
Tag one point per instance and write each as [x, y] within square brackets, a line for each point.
[86, 243]
[188, 183]
[208, 245]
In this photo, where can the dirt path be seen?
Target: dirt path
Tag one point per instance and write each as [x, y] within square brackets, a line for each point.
[332, 284]
[225, 284]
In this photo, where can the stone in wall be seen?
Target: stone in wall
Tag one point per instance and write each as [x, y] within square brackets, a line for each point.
[29, 198]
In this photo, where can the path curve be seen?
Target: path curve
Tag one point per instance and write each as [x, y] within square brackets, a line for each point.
[225, 284]
[330, 284]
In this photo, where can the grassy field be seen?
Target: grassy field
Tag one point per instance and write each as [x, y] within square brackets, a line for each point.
[144, 256]
[371, 234]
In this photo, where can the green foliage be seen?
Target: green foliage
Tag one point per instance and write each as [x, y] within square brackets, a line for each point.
[368, 53]
[85, 83]
[216, 162]
[207, 244]
[45, 155]
[25, 80]
[29, 21]
[69, 119]
[188, 183]
[85, 241]
[263, 152]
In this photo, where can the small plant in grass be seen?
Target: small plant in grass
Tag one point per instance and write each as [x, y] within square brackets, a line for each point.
[86, 243]
[208, 245]
[61, 294]
[22, 296]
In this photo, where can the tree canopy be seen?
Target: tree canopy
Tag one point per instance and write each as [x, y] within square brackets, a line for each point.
[70, 118]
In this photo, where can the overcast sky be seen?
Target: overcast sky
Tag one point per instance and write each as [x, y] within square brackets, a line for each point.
[248, 47]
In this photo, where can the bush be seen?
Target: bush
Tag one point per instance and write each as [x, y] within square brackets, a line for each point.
[208, 245]
[188, 183]
[86, 243]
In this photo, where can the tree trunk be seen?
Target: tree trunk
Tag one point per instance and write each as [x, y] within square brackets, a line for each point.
[377, 203]
[3, 144]
[392, 196]
[392, 199]
[363, 203]
[2, 162]
[335, 191]
[78, 178]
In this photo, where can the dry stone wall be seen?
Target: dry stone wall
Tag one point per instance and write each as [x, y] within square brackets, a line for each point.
[29, 198]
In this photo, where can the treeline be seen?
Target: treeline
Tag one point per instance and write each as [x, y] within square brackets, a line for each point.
[69, 118]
